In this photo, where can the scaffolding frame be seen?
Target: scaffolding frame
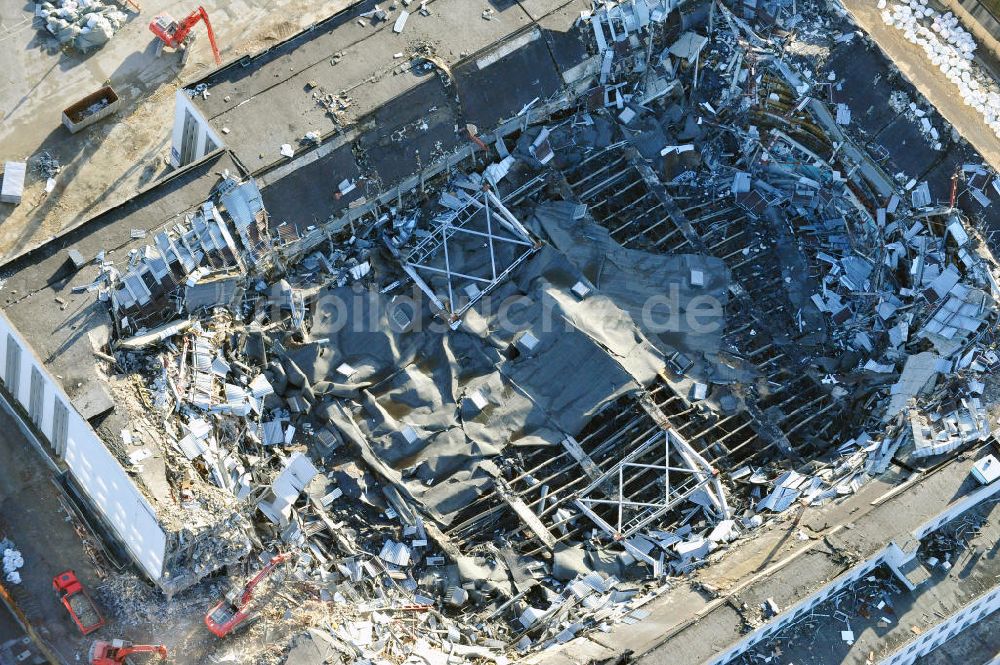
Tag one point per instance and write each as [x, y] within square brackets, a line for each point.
[483, 210]
[611, 488]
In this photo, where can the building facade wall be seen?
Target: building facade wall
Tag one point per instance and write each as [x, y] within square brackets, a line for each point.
[891, 554]
[72, 441]
[944, 631]
[203, 139]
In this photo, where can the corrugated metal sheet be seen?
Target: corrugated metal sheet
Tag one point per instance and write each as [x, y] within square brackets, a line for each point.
[243, 202]
[225, 292]
[395, 553]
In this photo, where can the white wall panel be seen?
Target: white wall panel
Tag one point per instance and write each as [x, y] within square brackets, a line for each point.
[93, 467]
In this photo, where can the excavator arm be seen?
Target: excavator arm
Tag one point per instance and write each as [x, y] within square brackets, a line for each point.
[125, 652]
[117, 651]
[259, 577]
[211, 35]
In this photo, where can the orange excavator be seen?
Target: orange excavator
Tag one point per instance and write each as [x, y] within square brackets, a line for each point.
[117, 651]
[234, 609]
[177, 34]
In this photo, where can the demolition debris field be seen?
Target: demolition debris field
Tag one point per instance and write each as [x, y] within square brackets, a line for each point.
[590, 329]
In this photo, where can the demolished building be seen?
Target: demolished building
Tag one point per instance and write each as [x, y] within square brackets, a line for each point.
[522, 355]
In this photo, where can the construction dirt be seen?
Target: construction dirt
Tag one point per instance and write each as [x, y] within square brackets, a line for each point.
[107, 163]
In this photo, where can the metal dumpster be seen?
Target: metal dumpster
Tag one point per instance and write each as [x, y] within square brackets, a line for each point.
[90, 109]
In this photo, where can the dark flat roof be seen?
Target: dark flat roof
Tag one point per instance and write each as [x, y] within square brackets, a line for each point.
[271, 95]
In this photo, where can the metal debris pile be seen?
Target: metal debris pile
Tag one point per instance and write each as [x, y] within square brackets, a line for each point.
[47, 165]
[954, 543]
[132, 602]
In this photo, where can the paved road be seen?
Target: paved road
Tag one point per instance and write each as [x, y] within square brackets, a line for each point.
[8, 626]
[31, 515]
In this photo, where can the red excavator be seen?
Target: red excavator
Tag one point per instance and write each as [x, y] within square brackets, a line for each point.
[234, 609]
[177, 34]
[117, 651]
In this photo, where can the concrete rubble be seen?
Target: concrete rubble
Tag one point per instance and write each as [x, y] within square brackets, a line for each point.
[81, 24]
[455, 490]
